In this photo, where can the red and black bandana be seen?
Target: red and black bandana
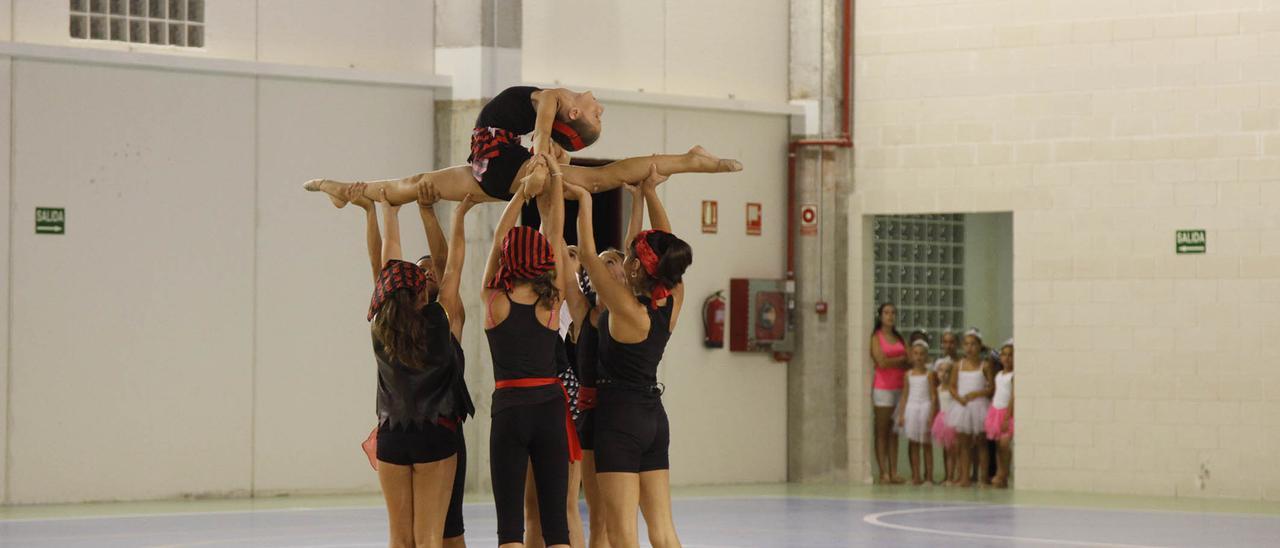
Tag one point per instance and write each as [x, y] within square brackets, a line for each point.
[526, 254]
[566, 136]
[395, 275]
[649, 260]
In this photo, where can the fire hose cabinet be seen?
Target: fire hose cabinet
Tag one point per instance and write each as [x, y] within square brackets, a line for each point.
[758, 316]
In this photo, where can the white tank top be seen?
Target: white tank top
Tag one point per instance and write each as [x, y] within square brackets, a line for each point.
[970, 381]
[1004, 390]
[944, 398]
[919, 388]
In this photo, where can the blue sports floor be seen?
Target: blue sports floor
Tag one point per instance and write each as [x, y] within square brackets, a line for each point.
[764, 516]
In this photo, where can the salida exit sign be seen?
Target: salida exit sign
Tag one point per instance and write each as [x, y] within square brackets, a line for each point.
[1190, 241]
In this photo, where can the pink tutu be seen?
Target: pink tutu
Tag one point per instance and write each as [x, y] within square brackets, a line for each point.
[943, 433]
[995, 423]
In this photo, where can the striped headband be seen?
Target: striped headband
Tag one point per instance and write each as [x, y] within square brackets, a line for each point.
[566, 136]
[395, 275]
[526, 254]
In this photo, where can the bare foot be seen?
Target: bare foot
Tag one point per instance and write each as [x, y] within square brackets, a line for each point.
[897, 480]
[713, 163]
[885, 480]
[917, 481]
[334, 189]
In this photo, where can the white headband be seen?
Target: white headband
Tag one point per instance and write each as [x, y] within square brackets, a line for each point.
[1007, 343]
[921, 342]
[973, 331]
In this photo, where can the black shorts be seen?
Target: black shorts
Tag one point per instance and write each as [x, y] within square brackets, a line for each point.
[632, 433]
[586, 424]
[453, 520]
[407, 446]
[497, 173]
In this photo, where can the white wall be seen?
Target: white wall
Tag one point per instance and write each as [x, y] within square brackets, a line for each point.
[383, 35]
[129, 339]
[202, 312]
[1104, 127]
[713, 48]
[315, 374]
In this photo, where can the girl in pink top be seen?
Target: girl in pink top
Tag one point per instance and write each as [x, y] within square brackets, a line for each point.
[888, 353]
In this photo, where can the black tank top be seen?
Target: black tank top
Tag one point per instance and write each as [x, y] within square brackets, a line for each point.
[512, 110]
[409, 397]
[635, 365]
[523, 348]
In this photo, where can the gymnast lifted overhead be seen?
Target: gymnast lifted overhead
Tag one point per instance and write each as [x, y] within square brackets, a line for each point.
[559, 120]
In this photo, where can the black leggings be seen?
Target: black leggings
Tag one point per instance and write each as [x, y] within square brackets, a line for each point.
[534, 432]
[453, 526]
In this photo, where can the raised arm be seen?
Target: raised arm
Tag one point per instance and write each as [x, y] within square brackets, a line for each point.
[548, 105]
[553, 220]
[391, 226]
[451, 280]
[657, 212]
[637, 214]
[427, 198]
[372, 236]
[505, 224]
[616, 296]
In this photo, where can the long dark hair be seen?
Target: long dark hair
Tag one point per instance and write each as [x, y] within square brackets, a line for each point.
[403, 329]
[544, 286]
[879, 312]
[674, 257]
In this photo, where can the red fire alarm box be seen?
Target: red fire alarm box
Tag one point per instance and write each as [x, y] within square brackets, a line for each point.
[758, 316]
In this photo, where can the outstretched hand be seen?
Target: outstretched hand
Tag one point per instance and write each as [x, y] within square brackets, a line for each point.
[427, 194]
[385, 201]
[654, 179]
[355, 195]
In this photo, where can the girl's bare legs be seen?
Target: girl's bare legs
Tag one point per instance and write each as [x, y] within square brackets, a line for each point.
[883, 425]
[913, 454]
[599, 537]
[893, 457]
[655, 504]
[928, 462]
[634, 170]
[432, 487]
[964, 446]
[1004, 460]
[984, 460]
[397, 489]
[621, 494]
[452, 183]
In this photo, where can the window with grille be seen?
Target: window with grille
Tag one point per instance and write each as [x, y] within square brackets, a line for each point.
[919, 266]
[157, 22]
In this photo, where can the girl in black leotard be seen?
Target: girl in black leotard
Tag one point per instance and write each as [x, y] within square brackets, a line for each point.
[559, 120]
[422, 396]
[531, 424]
[632, 433]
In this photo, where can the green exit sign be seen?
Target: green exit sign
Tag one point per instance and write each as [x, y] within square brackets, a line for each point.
[1190, 241]
[51, 220]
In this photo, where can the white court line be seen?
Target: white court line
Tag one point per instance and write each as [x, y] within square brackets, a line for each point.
[874, 519]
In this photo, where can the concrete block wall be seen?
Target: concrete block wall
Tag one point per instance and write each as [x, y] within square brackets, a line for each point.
[1103, 127]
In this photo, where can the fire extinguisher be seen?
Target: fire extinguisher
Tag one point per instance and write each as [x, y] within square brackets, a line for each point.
[713, 312]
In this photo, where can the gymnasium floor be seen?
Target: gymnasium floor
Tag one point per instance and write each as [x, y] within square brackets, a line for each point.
[764, 516]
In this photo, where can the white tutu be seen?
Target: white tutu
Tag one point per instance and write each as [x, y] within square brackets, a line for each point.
[969, 418]
[915, 421]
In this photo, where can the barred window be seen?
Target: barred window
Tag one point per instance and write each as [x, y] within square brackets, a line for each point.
[919, 266]
[159, 22]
